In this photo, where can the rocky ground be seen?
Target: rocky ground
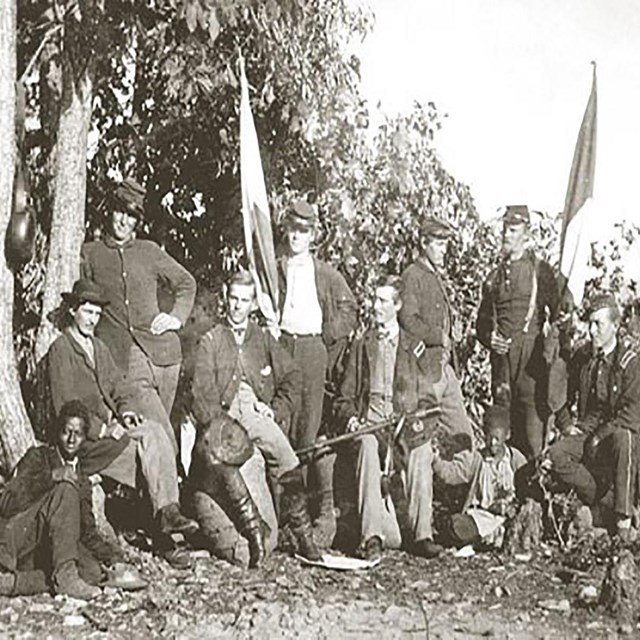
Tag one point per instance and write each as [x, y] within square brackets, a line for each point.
[483, 596]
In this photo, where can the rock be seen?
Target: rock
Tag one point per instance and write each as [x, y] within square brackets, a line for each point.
[562, 606]
[588, 594]
[524, 532]
[619, 590]
[74, 621]
[41, 607]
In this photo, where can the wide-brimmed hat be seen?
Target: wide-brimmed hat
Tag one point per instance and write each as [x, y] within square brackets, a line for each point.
[301, 214]
[85, 291]
[433, 227]
[124, 576]
[516, 214]
[129, 196]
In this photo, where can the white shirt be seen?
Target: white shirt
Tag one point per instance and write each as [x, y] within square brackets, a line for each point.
[301, 313]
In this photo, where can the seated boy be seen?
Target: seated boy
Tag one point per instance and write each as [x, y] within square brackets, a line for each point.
[491, 473]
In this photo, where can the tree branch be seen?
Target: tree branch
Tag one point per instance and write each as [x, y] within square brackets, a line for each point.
[36, 55]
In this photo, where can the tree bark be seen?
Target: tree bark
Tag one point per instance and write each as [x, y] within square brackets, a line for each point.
[16, 435]
[68, 217]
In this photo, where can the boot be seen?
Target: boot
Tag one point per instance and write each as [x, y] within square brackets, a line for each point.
[324, 527]
[7, 583]
[66, 581]
[295, 513]
[227, 486]
[172, 521]
[29, 583]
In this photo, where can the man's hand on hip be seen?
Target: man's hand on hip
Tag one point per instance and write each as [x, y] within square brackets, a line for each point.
[164, 322]
[500, 344]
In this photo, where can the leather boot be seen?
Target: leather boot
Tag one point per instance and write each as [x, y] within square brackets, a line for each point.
[295, 513]
[324, 527]
[66, 581]
[29, 583]
[7, 583]
[227, 487]
[172, 521]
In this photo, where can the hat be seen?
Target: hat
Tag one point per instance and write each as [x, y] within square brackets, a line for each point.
[85, 291]
[497, 417]
[517, 214]
[130, 195]
[437, 228]
[124, 576]
[601, 300]
[302, 214]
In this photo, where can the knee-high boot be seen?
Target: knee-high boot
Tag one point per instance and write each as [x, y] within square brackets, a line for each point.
[295, 512]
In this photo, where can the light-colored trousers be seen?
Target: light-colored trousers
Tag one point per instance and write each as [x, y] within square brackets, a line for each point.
[377, 514]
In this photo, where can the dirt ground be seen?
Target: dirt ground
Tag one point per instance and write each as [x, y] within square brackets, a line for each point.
[481, 596]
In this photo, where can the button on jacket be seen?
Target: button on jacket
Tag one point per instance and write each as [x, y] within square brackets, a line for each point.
[130, 275]
[222, 364]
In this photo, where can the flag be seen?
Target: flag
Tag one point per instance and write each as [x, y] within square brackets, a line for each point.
[578, 207]
[258, 235]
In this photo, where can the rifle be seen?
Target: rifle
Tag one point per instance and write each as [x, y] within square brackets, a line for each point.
[372, 427]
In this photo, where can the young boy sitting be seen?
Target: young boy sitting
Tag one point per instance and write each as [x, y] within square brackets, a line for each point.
[491, 474]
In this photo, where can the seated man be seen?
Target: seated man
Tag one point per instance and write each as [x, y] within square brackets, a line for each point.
[242, 370]
[43, 509]
[492, 492]
[81, 368]
[366, 395]
[598, 457]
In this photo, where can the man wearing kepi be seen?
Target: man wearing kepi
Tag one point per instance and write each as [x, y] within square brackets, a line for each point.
[141, 337]
[518, 298]
[598, 456]
[81, 368]
[242, 370]
[366, 397]
[318, 313]
[425, 368]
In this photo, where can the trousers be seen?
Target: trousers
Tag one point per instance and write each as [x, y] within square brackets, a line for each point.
[156, 389]
[377, 514]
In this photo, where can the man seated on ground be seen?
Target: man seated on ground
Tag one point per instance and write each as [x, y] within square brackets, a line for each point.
[243, 371]
[81, 368]
[491, 473]
[366, 396]
[598, 456]
[45, 513]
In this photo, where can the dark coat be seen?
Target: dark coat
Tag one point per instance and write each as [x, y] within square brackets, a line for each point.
[267, 366]
[130, 276]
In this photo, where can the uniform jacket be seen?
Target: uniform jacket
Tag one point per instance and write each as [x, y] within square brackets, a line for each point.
[339, 308]
[267, 366]
[130, 276]
[623, 385]
[465, 468]
[103, 389]
[506, 297]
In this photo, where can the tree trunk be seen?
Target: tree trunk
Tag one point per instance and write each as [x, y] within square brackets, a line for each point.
[68, 219]
[16, 435]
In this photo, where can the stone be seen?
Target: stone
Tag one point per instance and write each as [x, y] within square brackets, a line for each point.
[619, 592]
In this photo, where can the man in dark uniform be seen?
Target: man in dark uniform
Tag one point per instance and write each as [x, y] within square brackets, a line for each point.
[317, 314]
[519, 296]
[425, 373]
[143, 339]
[598, 457]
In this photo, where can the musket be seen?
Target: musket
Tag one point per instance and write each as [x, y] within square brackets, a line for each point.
[372, 427]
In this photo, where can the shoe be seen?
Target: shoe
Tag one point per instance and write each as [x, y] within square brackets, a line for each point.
[172, 521]
[7, 582]
[178, 558]
[66, 581]
[427, 548]
[372, 549]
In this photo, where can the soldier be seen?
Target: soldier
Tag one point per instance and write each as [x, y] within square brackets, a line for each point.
[598, 457]
[318, 313]
[366, 395]
[142, 338]
[242, 370]
[519, 296]
[425, 368]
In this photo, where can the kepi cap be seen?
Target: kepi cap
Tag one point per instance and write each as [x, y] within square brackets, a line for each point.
[601, 300]
[437, 228]
[85, 291]
[517, 214]
[130, 195]
[301, 214]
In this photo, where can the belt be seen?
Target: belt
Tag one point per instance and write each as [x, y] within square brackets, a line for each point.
[302, 336]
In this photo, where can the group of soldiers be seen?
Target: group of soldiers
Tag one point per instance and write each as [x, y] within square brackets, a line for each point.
[258, 396]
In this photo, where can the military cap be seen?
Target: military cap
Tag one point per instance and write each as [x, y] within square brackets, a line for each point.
[301, 214]
[85, 291]
[497, 417]
[517, 214]
[601, 300]
[437, 228]
[129, 195]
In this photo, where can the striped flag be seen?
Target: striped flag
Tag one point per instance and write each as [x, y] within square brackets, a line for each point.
[578, 207]
[258, 235]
